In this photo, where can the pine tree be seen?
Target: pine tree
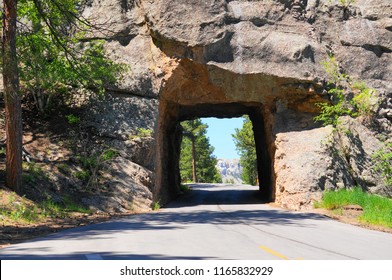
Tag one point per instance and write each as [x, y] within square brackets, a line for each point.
[56, 57]
[197, 162]
[42, 60]
[13, 109]
[245, 145]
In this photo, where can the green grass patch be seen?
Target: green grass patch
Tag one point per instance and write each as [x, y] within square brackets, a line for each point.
[64, 168]
[72, 119]
[21, 213]
[71, 206]
[83, 175]
[141, 133]
[377, 210]
[14, 208]
[156, 206]
[33, 172]
[185, 188]
[49, 208]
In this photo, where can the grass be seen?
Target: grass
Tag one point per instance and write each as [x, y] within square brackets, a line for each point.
[185, 188]
[14, 208]
[64, 168]
[83, 175]
[377, 210]
[33, 172]
[156, 206]
[20, 213]
[53, 209]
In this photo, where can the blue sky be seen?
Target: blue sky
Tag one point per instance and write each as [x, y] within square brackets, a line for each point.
[219, 132]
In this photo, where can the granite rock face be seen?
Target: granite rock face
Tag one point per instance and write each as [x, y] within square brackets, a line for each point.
[226, 58]
[230, 170]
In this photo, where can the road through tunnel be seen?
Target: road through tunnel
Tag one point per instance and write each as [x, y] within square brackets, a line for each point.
[171, 134]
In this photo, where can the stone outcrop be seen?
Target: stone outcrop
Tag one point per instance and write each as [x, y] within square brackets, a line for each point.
[230, 170]
[226, 58]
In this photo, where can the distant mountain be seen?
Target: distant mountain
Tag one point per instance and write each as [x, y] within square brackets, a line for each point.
[230, 170]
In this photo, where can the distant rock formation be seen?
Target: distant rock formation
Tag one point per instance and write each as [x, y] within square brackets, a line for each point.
[230, 170]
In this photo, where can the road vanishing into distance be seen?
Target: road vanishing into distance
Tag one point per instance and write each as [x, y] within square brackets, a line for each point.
[211, 222]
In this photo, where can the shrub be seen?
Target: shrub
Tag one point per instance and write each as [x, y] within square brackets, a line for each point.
[383, 160]
[340, 87]
[364, 101]
[156, 206]
[72, 119]
[83, 175]
[141, 133]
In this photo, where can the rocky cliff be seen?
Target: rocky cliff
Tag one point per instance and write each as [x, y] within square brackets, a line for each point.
[226, 58]
[230, 170]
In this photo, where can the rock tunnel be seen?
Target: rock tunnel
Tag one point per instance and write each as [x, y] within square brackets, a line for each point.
[262, 58]
[196, 90]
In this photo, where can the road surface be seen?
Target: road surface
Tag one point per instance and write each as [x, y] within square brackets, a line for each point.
[212, 222]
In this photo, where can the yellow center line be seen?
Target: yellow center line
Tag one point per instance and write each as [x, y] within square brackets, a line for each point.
[272, 252]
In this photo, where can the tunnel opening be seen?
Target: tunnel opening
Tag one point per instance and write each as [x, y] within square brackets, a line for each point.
[198, 160]
[209, 154]
[170, 135]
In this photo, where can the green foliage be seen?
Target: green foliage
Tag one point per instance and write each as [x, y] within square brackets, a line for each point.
[20, 210]
[331, 67]
[383, 160]
[93, 164]
[109, 154]
[156, 206]
[245, 144]
[330, 113]
[83, 175]
[364, 101]
[26, 214]
[88, 162]
[11, 198]
[185, 188]
[339, 88]
[194, 133]
[377, 209]
[72, 119]
[55, 59]
[64, 168]
[346, 3]
[49, 208]
[141, 133]
[33, 172]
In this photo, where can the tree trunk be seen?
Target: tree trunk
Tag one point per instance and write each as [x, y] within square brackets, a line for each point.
[193, 140]
[13, 110]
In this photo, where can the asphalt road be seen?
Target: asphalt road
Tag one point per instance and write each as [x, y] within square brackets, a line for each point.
[212, 222]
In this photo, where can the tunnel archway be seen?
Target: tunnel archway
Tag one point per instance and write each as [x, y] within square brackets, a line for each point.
[197, 90]
[170, 140]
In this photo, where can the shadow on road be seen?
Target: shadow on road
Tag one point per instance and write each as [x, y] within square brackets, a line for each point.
[102, 255]
[206, 194]
[163, 221]
[177, 216]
